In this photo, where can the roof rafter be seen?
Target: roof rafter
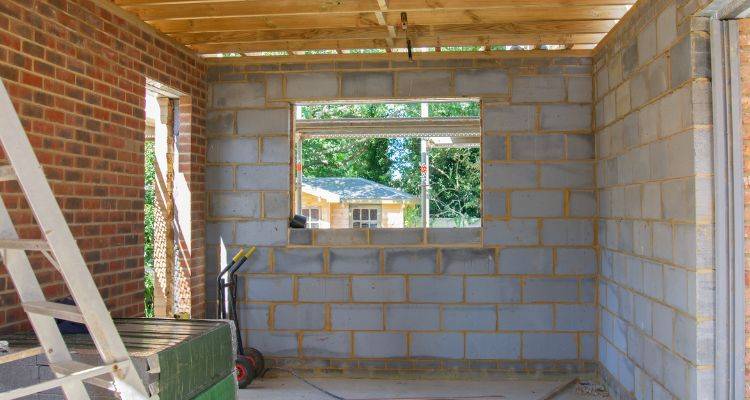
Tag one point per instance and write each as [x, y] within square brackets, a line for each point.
[444, 55]
[348, 44]
[390, 19]
[441, 31]
[380, 16]
[298, 27]
[247, 8]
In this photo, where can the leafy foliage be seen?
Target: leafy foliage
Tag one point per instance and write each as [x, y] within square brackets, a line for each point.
[364, 158]
[148, 221]
[455, 184]
[347, 157]
[463, 109]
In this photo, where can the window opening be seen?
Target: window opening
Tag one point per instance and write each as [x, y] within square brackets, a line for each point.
[414, 164]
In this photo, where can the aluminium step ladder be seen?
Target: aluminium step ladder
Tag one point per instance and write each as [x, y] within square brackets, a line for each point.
[118, 373]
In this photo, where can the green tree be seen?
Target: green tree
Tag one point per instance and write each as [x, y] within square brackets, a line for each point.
[455, 184]
[454, 109]
[148, 222]
[362, 158]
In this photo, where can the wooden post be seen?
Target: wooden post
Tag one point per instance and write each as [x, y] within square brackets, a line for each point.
[424, 168]
[298, 165]
[164, 257]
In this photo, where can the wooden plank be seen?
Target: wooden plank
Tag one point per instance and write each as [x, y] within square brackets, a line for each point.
[14, 354]
[24, 244]
[380, 16]
[444, 55]
[552, 38]
[56, 310]
[413, 5]
[539, 27]
[379, 32]
[362, 20]
[74, 377]
[250, 8]
[584, 46]
[71, 367]
[358, 20]
[441, 31]
[7, 174]
[155, 10]
[500, 15]
[557, 390]
[163, 261]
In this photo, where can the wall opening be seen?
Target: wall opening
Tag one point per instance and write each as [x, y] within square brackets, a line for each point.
[167, 292]
[388, 165]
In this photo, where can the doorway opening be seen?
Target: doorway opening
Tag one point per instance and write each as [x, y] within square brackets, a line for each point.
[165, 292]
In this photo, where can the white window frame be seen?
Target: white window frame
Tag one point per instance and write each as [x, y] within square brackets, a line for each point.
[312, 223]
[367, 207]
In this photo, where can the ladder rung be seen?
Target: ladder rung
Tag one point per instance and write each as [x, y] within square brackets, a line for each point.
[71, 367]
[7, 173]
[24, 244]
[56, 310]
[74, 376]
[14, 355]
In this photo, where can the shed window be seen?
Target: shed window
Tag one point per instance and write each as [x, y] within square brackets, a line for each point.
[313, 216]
[365, 218]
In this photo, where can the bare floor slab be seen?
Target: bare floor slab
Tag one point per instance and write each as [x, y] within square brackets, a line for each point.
[381, 389]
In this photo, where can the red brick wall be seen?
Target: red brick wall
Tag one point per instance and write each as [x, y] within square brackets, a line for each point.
[744, 26]
[76, 73]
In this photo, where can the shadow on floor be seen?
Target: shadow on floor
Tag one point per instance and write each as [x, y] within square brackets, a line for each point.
[287, 388]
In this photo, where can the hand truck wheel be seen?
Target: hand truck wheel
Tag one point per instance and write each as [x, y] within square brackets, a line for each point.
[245, 372]
[256, 359]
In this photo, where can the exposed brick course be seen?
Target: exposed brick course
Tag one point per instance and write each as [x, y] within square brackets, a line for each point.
[76, 73]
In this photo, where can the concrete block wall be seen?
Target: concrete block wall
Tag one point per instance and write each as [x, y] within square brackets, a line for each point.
[653, 143]
[517, 295]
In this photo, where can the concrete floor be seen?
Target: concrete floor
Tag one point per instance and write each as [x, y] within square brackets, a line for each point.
[287, 388]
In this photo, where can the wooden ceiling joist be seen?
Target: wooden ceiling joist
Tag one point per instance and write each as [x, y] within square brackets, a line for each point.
[444, 55]
[365, 20]
[441, 31]
[218, 27]
[498, 40]
[380, 16]
[156, 10]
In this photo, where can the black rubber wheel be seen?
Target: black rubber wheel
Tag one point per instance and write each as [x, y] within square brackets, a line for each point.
[245, 371]
[256, 358]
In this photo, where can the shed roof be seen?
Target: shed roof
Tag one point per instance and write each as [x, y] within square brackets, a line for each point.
[344, 189]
